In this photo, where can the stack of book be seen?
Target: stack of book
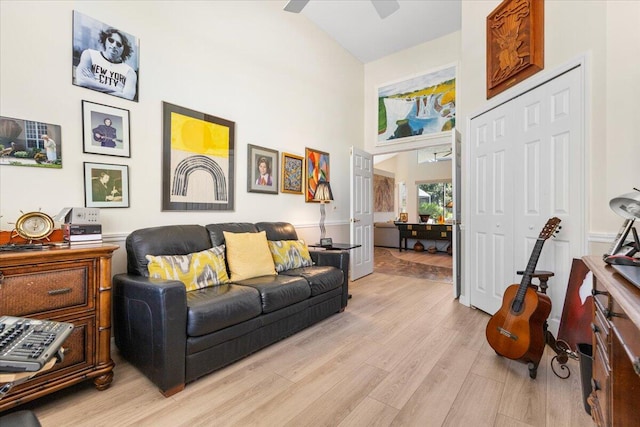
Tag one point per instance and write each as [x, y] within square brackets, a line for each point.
[82, 234]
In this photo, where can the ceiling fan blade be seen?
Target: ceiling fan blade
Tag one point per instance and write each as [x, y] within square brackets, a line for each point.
[385, 7]
[296, 6]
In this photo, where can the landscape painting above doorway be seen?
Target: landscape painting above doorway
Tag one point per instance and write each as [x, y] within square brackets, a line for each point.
[416, 107]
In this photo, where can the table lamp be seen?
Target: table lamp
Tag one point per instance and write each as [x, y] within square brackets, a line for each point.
[627, 205]
[323, 195]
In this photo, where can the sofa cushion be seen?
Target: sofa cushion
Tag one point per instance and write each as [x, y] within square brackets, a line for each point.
[248, 255]
[196, 270]
[278, 230]
[215, 308]
[288, 254]
[321, 279]
[216, 231]
[163, 240]
[278, 291]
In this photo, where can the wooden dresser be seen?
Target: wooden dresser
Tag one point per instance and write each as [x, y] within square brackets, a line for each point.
[68, 285]
[616, 347]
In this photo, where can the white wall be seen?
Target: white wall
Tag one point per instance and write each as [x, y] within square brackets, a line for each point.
[606, 32]
[283, 81]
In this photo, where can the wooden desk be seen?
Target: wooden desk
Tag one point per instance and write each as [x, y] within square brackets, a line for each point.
[423, 231]
[67, 285]
[616, 347]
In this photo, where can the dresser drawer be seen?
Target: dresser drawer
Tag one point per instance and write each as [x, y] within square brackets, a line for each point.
[627, 333]
[52, 289]
[79, 354]
[600, 383]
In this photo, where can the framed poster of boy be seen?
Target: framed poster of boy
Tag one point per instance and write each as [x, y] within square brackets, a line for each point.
[262, 170]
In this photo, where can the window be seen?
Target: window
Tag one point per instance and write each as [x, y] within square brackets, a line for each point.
[435, 199]
[33, 133]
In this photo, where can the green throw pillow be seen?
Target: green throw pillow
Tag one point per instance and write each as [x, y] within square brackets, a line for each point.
[197, 270]
[289, 254]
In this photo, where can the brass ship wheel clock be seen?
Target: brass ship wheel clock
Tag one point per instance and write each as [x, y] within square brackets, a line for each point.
[33, 226]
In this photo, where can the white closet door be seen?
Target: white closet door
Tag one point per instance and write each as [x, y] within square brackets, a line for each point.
[536, 145]
[490, 223]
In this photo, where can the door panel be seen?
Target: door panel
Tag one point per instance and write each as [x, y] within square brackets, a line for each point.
[456, 236]
[361, 213]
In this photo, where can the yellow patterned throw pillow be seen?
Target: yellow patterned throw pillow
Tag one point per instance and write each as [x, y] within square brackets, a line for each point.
[197, 270]
[289, 254]
[248, 255]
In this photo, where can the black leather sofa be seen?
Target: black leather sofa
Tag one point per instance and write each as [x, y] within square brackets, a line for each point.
[174, 336]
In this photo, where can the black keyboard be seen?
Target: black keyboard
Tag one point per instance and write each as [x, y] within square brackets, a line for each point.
[26, 345]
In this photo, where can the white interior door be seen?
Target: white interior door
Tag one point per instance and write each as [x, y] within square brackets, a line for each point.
[527, 165]
[456, 241]
[361, 213]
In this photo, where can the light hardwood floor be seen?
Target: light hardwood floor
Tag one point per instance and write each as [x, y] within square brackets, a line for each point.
[402, 354]
[440, 259]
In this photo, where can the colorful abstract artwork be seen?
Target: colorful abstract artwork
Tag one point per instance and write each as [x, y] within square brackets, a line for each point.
[292, 173]
[317, 166]
[411, 109]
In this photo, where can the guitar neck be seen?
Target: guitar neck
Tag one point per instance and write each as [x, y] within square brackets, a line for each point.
[531, 267]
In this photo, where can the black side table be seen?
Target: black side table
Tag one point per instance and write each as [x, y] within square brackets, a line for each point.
[336, 246]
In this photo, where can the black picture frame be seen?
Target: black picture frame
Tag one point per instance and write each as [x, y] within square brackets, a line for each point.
[193, 142]
[100, 137]
[115, 193]
[266, 158]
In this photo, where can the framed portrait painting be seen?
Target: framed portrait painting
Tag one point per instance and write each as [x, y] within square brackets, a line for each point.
[105, 59]
[292, 179]
[317, 169]
[262, 170]
[30, 143]
[105, 130]
[417, 108]
[106, 186]
[197, 161]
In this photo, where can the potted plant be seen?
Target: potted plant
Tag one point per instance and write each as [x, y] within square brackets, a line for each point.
[429, 210]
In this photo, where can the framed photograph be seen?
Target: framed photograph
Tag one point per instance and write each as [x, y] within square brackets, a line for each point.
[515, 44]
[317, 169]
[197, 161]
[262, 170]
[106, 186]
[105, 59]
[417, 108]
[105, 130]
[30, 143]
[292, 173]
[404, 217]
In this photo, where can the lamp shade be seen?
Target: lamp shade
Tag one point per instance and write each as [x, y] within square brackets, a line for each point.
[323, 192]
[627, 205]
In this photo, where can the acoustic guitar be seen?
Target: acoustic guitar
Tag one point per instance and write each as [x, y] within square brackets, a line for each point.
[517, 330]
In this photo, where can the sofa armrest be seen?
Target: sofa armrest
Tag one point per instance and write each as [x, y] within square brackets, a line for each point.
[150, 324]
[338, 259]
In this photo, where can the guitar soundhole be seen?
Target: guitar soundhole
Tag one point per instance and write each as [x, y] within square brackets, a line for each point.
[516, 307]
